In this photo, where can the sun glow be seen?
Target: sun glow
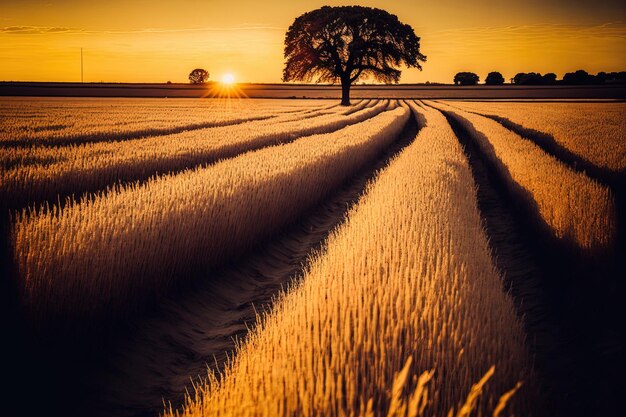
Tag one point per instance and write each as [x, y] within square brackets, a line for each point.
[228, 79]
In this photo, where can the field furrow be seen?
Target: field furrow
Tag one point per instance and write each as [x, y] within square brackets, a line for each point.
[48, 174]
[21, 125]
[206, 320]
[549, 286]
[357, 106]
[127, 132]
[407, 283]
[117, 248]
[571, 206]
[18, 156]
[591, 134]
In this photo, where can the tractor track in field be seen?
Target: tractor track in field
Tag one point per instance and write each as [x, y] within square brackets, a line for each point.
[155, 356]
[569, 306]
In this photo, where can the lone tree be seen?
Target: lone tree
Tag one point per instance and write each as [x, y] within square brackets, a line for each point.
[494, 78]
[198, 76]
[349, 42]
[466, 78]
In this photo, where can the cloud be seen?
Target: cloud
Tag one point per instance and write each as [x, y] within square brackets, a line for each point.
[36, 30]
[45, 30]
[539, 32]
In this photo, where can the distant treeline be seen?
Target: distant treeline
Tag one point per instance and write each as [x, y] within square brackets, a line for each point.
[580, 77]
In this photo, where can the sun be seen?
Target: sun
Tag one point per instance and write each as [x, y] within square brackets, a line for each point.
[228, 79]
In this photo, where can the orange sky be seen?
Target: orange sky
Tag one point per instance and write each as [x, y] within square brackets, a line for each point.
[151, 41]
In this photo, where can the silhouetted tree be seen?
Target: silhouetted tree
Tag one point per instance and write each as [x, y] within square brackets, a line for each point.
[198, 76]
[494, 78]
[466, 78]
[548, 79]
[531, 78]
[349, 42]
[615, 77]
[579, 77]
[601, 77]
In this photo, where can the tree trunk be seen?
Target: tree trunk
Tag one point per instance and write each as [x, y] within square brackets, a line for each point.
[345, 92]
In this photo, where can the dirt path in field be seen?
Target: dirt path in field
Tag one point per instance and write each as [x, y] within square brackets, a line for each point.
[569, 306]
[198, 327]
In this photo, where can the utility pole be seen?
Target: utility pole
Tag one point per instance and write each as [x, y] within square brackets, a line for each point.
[81, 65]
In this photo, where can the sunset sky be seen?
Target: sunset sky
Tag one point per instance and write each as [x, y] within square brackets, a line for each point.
[157, 41]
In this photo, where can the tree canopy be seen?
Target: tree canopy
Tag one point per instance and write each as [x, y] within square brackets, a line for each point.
[466, 78]
[494, 78]
[347, 43]
[534, 78]
[579, 77]
[198, 76]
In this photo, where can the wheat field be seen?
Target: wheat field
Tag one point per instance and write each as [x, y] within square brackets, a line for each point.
[40, 173]
[409, 275]
[407, 308]
[115, 243]
[575, 207]
[53, 123]
[594, 136]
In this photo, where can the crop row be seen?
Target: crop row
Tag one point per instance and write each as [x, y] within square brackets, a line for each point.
[110, 251]
[572, 206]
[407, 283]
[24, 124]
[593, 131]
[44, 174]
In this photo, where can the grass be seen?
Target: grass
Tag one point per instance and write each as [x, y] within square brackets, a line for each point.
[402, 313]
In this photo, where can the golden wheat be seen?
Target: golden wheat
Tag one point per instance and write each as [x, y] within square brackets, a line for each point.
[593, 131]
[17, 156]
[409, 275]
[108, 251]
[43, 173]
[58, 121]
[574, 208]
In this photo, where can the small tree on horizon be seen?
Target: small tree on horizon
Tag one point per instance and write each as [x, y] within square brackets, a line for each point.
[494, 78]
[466, 78]
[347, 43]
[528, 78]
[198, 76]
[579, 77]
[549, 78]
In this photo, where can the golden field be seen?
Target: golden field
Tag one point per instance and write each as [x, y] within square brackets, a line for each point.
[573, 206]
[597, 136]
[406, 308]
